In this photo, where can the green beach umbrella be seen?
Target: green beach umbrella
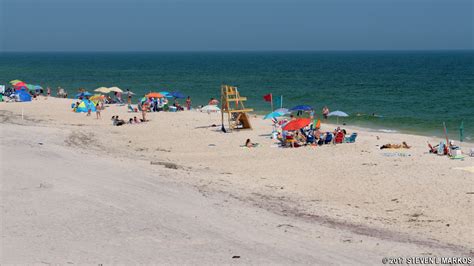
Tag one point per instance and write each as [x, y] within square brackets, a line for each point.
[461, 131]
[31, 87]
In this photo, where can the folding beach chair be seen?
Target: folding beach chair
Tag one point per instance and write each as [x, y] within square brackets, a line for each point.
[351, 138]
[328, 138]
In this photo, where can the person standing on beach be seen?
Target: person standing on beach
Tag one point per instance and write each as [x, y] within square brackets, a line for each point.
[97, 110]
[188, 103]
[144, 110]
[129, 97]
[325, 112]
[48, 92]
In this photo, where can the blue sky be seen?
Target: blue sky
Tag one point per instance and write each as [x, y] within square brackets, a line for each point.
[221, 25]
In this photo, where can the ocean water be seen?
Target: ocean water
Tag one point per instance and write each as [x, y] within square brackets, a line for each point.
[411, 92]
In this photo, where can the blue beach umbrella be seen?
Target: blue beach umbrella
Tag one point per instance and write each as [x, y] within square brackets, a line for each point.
[272, 115]
[303, 108]
[166, 94]
[83, 94]
[282, 111]
[178, 94]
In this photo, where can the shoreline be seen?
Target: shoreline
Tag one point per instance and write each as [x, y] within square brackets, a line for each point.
[420, 197]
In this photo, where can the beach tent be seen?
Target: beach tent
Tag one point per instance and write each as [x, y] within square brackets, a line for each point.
[84, 106]
[24, 96]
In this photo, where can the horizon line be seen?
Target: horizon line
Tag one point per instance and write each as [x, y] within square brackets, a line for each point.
[231, 50]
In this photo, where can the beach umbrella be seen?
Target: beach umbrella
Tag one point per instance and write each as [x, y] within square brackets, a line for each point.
[303, 108]
[166, 94]
[115, 89]
[15, 81]
[282, 111]
[102, 89]
[83, 94]
[297, 124]
[178, 94]
[129, 93]
[154, 95]
[20, 85]
[38, 87]
[30, 87]
[97, 97]
[338, 114]
[272, 115]
[210, 108]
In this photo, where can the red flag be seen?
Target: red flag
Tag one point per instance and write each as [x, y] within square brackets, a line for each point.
[268, 97]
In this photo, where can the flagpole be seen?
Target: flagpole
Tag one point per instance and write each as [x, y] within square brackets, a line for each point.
[271, 102]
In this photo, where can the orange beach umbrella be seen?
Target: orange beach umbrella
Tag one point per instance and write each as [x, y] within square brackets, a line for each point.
[297, 124]
[154, 95]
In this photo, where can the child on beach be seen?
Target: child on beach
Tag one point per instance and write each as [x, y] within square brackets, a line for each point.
[188, 103]
[97, 110]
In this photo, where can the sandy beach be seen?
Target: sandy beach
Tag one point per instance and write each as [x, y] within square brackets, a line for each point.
[76, 189]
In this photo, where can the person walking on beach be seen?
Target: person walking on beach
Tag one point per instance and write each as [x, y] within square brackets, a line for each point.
[188, 103]
[97, 110]
[325, 112]
[48, 92]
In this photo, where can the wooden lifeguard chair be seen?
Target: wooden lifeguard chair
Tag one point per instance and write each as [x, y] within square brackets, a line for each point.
[233, 104]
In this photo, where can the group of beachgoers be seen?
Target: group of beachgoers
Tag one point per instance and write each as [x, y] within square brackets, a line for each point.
[116, 121]
[313, 136]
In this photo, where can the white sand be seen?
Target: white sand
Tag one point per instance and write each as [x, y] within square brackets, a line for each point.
[90, 193]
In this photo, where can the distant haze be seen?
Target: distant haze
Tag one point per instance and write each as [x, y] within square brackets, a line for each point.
[241, 25]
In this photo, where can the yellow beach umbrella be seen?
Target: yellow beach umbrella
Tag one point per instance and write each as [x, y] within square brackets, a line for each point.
[97, 97]
[115, 89]
[102, 89]
[15, 81]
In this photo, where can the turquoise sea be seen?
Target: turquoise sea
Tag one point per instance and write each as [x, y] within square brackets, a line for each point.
[408, 91]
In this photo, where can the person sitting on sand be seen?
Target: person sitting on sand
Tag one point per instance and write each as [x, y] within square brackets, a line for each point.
[116, 121]
[213, 101]
[249, 144]
[130, 121]
[404, 145]
[135, 120]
